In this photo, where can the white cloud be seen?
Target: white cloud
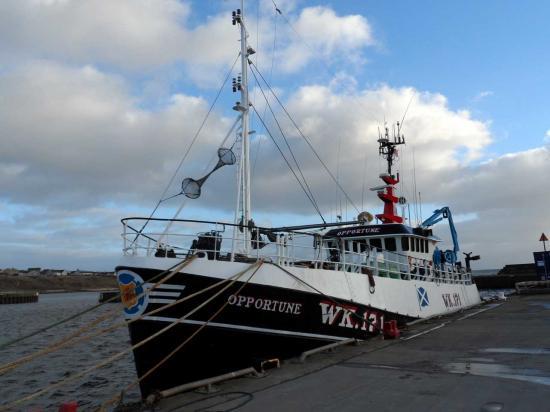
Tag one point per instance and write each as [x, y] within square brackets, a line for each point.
[75, 140]
[482, 95]
[76, 136]
[126, 33]
[547, 136]
[143, 35]
[321, 31]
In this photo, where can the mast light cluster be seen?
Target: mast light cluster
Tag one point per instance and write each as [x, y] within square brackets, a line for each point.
[388, 150]
[236, 17]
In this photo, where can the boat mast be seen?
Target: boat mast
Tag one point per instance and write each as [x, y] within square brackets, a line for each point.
[388, 150]
[244, 107]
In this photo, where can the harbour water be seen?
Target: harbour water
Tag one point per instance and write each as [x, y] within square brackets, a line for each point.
[90, 391]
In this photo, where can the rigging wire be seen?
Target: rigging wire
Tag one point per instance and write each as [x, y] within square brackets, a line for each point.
[195, 137]
[338, 197]
[363, 187]
[414, 185]
[252, 120]
[6, 344]
[323, 62]
[273, 49]
[254, 67]
[288, 163]
[311, 48]
[311, 196]
[208, 167]
[407, 109]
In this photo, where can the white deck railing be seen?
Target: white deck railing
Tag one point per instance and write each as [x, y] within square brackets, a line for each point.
[299, 249]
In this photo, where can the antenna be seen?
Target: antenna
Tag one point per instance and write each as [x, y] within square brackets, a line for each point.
[420, 204]
[387, 149]
[388, 145]
[407, 109]
[415, 192]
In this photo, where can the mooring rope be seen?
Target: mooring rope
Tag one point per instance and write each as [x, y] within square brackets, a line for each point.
[124, 352]
[367, 321]
[71, 339]
[118, 397]
[76, 315]
[7, 367]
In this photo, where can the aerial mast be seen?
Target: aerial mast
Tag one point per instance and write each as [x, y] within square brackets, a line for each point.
[244, 107]
[388, 150]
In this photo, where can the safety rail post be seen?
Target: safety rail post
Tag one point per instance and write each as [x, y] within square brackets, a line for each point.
[125, 236]
[285, 250]
[424, 267]
[134, 246]
[407, 271]
[293, 250]
[319, 248]
[376, 268]
[343, 255]
[284, 247]
[258, 243]
[278, 250]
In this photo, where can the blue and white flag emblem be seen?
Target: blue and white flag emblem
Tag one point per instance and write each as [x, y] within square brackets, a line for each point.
[422, 295]
[133, 295]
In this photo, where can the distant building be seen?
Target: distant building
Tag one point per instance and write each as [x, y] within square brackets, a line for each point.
[522, 269]
[58, 272]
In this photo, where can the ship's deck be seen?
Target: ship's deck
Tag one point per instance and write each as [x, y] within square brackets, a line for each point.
[489, 358]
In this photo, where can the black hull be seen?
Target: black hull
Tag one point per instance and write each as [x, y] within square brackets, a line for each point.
[257, 323]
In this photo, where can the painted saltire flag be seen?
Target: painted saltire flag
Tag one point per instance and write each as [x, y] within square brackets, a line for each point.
[422, 295]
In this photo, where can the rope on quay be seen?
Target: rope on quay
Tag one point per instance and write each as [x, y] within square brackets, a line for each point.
[119, 396]
[77, 315]
[124, 352]
[71, 339]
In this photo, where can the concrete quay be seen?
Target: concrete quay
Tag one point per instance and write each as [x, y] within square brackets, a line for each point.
[494, 357]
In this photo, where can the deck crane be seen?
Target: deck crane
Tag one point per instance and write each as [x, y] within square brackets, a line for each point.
[451, 256]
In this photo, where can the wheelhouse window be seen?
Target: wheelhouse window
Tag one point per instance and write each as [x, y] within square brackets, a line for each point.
[404, 243]
[377, 243]
[426, 245]
[390, 244]
[417, 242]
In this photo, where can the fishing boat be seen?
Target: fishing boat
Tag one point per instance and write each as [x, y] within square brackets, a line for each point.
[204, 298]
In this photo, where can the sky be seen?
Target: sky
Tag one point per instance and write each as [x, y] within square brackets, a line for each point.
[99, 101]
